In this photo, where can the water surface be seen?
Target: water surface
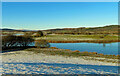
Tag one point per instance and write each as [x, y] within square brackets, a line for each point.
[105, 48]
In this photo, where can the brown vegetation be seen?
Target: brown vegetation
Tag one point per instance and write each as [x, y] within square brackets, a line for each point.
[53, 47]
[76, 51]
[111, 30]
[89, 41]
[67, 52]
[42, 44]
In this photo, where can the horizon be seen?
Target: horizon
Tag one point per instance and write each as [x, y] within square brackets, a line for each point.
[52, 15]
[59, 28]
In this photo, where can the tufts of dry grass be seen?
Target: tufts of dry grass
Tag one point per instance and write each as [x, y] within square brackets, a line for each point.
[67, 52]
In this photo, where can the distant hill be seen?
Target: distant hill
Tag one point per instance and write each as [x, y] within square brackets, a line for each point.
[111, 29]
[6, 29]
[12, 30]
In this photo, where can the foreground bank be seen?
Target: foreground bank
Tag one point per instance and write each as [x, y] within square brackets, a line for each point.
[30, 62]
[53, 56]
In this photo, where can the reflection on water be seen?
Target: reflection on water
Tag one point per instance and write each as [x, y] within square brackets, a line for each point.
[103, 44]
[13, 34]
[18, 34]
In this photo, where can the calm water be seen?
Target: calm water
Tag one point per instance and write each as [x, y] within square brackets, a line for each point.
[106, 48]
[18, 34]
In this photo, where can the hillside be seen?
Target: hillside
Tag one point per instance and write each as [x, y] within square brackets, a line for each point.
[112, 29]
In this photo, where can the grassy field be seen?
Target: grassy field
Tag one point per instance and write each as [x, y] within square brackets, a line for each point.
[68, 53]
[79, 38]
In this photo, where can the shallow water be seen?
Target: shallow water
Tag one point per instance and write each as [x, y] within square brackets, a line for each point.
[18, 34]
[105, 48]
[56, 68]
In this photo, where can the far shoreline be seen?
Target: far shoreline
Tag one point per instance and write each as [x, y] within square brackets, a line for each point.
[87, 41]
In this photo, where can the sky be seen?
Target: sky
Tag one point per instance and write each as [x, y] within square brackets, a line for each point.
[50, 15]
[60, 0]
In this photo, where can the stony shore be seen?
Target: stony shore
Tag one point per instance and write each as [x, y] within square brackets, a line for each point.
[28, 62]
[31, 57]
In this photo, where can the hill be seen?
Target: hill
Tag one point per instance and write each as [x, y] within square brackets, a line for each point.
[111, 29]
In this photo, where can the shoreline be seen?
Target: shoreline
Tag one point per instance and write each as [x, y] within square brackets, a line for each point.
[87, 41]
[58, 51]
[31, 57]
